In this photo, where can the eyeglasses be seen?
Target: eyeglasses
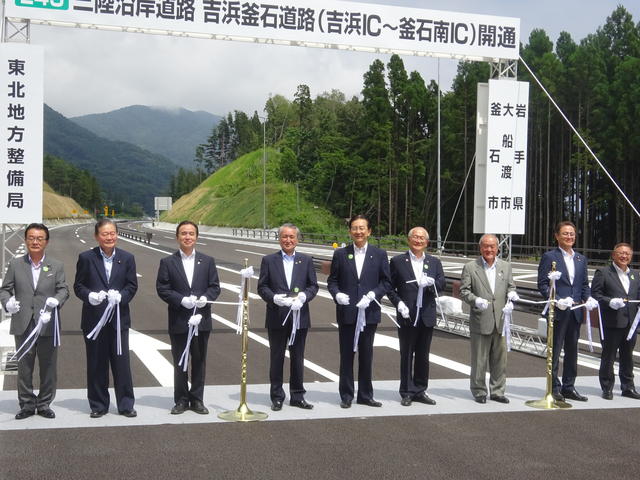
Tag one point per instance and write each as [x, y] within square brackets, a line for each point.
[359, 228]
[568, 234]
[36, 239]
[419, 238]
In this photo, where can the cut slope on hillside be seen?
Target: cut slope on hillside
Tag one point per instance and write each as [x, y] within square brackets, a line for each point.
[57, 206]
[233, 197]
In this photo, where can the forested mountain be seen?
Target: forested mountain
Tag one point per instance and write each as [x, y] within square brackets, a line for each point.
[128, 174]
[172, 133]
[69, 180]
[376, 154]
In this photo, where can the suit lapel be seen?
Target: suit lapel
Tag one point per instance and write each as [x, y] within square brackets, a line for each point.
[177, 263]
[99, 265]
[409, 273]
[351, 260]
[296, 274]
[483, 275]
[26, 268]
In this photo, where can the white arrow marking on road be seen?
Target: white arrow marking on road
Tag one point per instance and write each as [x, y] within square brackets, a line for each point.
[148, 349]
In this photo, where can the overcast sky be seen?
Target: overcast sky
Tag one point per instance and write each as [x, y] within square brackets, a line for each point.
[90, 71]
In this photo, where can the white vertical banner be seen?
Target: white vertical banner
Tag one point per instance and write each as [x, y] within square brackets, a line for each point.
[21, 132]
[501, 171]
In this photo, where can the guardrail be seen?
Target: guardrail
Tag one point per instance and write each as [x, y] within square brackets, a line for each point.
[143, 237]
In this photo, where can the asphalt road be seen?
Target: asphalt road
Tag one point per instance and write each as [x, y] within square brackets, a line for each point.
[588, 441]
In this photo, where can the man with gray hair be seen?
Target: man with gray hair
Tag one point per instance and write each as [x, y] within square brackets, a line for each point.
[416, 279]
[488, 287]
[287, 282]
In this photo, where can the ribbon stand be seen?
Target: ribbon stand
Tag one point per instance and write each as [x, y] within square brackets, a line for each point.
[548, 402]
[243, 413]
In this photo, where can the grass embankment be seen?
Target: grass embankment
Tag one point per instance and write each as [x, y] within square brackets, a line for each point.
[57, 206]
[233, 197]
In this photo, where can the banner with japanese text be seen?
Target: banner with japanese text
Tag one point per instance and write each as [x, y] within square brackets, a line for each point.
[501, 151]
[22, 132]
[326, 24]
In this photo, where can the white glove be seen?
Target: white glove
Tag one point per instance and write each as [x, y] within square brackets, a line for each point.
[513, 296]
[279, 299]
[591, 303]
[194, 321]
[188, 302]
[614, 303]
[565, 303]
[342, 298]
[296, 304]
[481, 303]
[114, 296]
[364, 302]
[403, 309]
[45, 317]
[201, 302]
[52, 302]
[426, 281]
[12, 306]
[371, 295]
[554, 275]
[302, 297]
[96, 298]
[508, 308]
[247, 272]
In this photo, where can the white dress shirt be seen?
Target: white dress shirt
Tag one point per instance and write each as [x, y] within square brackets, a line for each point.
[108, 262]
[490, 272]
[359, 254]
[188, 263]
[417, 264]
[36, 268]
[623, 275]
[287, 263]
[571, 266]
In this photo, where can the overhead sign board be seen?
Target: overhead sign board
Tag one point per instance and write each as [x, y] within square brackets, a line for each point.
[326, 24]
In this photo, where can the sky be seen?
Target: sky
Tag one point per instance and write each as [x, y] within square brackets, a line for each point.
[89, 71]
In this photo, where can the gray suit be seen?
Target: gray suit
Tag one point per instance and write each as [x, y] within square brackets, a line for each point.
[485, 326]
[19, 283]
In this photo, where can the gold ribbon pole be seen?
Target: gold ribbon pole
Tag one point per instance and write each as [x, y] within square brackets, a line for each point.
[548, 402]
[243, 413]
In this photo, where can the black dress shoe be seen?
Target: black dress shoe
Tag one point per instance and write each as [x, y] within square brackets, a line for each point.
[607, 395]
[481, 399]
[24, 413]
[46, 413]
[98, 413]
[631, 393]
[424, 398]
[574, 395]
[179, 408]
[557, 396]
[499, 398]
[405, 402]
[301, 404]
[345, 404]
[198, 407]
[129, 413]
[276, 405]
[369, 403]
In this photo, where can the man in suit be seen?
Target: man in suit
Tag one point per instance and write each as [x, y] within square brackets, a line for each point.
[571, 288]
[187, 281]
[613, 287]
[106, 283]
[486, 286]
[416, 279]
[287, 283]
[359, 278]
[34, 284]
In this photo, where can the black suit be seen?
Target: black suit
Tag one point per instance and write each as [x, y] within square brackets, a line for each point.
[273, 281]
[616, 323]
[91, 277]
[172, 286]
[344, 279]
[415, 342]
[567, 322]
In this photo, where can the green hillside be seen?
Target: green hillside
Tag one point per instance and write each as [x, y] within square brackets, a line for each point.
[233, 195]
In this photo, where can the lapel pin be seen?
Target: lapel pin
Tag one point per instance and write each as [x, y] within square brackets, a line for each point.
[350, 256]
[45, 268]
[296, 290]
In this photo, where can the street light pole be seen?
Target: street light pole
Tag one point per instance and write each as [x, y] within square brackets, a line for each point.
[264, 173]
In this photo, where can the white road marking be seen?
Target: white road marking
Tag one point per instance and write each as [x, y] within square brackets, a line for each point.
[148, 349]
